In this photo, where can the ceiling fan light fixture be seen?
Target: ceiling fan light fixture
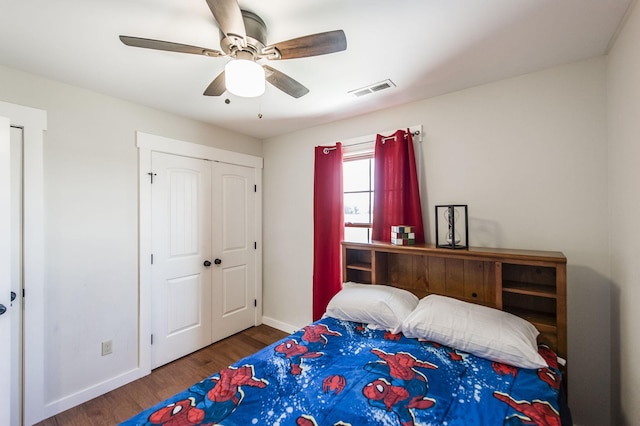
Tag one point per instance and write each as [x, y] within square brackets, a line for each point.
[244, 77]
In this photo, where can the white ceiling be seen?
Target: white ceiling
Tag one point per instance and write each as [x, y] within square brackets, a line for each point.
[426, 47]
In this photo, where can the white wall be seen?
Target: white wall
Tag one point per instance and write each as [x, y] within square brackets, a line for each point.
[91, 225]
[528, 157]
[623, 89]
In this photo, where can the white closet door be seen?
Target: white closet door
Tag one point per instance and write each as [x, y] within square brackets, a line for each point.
[181, 243]
[16, 275]
[234, 269]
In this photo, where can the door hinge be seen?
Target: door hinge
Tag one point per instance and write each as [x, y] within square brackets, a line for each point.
[255, 188]
[151, 175]
[152, 258]
[255, 303]
[255, 245]
[152, 339]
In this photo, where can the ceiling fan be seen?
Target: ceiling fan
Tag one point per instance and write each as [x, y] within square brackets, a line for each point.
[243, 38]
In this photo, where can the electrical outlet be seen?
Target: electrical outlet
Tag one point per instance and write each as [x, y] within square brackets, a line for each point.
[107, 347]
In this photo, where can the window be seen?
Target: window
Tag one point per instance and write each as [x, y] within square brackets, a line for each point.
[357, 177]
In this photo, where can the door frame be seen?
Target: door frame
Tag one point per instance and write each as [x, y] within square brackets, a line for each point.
[146, 144]
[34, 123]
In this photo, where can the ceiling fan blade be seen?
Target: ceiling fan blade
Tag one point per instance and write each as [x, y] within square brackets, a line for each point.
[285, 83]
[229, 18]
[168, 46]
[311, 45]
[217, 86]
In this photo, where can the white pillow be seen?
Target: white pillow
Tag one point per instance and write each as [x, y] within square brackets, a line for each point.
[379, 306]
[479, 330]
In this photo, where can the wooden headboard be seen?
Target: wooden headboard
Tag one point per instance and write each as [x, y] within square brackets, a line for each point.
[530, 284]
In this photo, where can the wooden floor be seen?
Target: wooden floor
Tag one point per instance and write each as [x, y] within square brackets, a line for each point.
[124, 402]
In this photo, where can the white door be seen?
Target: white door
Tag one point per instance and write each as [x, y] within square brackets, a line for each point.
[11, 272]
[16, 276]
[181, 243]
[5, 269]
[234, 273]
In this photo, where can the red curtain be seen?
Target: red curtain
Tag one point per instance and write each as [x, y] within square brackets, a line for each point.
[328, 226]
[396, 195]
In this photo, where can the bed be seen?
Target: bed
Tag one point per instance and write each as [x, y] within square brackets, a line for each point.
[381, 356]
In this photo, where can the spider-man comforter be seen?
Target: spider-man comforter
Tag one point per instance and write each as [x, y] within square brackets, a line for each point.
[340, 373]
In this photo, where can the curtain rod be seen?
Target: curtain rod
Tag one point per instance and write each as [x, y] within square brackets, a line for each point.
[384, 139]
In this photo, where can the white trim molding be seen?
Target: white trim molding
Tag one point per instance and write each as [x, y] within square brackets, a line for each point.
[149, 142]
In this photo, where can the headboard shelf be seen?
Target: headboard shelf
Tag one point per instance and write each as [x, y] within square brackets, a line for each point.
[527, 283]
[528, 288]
[529, 257]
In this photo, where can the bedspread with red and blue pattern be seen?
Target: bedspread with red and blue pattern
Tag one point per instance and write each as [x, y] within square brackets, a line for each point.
[336, 372]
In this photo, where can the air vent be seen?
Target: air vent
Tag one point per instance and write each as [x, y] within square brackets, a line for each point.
[375, 87]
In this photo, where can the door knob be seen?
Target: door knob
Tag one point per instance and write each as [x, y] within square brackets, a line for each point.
[3, 309]
[207, 263]
[13, 296]
[217, 261]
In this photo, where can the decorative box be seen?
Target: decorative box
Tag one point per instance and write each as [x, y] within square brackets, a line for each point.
[403, 235]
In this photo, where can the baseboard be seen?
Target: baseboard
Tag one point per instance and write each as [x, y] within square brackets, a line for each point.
[282, 326]
[62, 404]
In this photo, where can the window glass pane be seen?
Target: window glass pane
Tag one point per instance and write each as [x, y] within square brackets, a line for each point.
[371, 208]
[357, 235]
[373, 166]
[356, 207]
[356, 175]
